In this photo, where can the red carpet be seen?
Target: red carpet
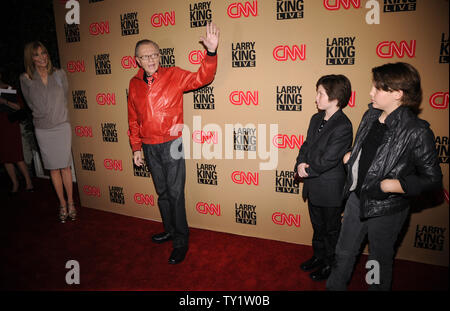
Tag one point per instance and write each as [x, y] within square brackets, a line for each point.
[115, 252]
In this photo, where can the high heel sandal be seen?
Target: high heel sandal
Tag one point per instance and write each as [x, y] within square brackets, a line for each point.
[72, 211]
[63, 214]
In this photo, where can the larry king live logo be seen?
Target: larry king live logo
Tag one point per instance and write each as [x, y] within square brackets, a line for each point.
[79, 99]
[443, 55]
[244, 139]
[340, 51]
[245, 213]
[109, 132]
[102, 64]
[116, 195]
[430, 237]
[72, 32]
[285, 183]
[399, 5]
[243, 54]
[141, 171]
[129, 23]
[204, 98]
[289, 9]
[200, 13]
[289, 98]
[207, 174]
[87, 161]
[167, 58]
[442, 148]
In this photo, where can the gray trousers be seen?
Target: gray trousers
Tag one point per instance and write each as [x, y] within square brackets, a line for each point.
[169, 177]
[382, 233]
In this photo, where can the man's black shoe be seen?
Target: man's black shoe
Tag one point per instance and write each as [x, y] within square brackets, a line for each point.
[178, 255]
[321, 274]
[311, 264]
[161, 237]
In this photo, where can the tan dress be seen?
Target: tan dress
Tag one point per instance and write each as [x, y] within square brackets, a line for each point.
[50, 117]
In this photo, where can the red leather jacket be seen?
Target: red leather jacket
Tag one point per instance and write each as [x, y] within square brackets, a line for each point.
[154, 110]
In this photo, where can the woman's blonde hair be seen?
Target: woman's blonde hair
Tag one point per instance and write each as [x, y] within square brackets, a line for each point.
[28, 52]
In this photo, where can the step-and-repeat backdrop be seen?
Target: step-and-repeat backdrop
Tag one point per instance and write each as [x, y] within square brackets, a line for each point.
[242, 132]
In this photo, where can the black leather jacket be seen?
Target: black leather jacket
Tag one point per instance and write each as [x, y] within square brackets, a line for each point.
[407, 153]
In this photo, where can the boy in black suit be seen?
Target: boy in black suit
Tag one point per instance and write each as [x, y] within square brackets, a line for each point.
[319, 164]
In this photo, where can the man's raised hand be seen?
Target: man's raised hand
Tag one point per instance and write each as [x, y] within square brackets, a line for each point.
[211, 41]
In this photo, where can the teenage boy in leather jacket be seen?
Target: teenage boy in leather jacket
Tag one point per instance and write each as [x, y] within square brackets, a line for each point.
[393, 158]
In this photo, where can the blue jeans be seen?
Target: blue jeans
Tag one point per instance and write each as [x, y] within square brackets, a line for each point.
[382, 233]
[169, 177]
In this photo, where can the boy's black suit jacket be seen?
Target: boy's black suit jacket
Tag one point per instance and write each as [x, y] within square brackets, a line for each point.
[324, 152]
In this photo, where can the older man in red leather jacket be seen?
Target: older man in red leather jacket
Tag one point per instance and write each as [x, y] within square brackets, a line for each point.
[155, 113]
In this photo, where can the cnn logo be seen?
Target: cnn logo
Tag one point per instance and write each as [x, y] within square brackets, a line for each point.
[334, 5]
[83, 131]
[283, 141]
[283, 219]
[144, 199]
[128, 62]
[238, 9]
[202, 137]
[387, 49]
[282, 52]
[205, 208]
[439, 100]
[240, 177]
[160, 19]
[76, 66]
[111, 164]
[99, 28]
[352, 101]
[239, 97]
[91, 191]
[196, 57]
[106, 99]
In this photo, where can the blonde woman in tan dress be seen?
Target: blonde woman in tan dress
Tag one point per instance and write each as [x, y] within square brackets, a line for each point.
[45, 90]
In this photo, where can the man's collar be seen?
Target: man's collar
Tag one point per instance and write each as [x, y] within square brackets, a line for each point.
[154, 76]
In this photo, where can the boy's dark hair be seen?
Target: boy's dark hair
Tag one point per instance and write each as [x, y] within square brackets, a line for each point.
[337, 87]
[400, 77]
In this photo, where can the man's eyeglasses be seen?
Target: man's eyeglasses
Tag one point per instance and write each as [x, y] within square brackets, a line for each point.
[148, 57]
